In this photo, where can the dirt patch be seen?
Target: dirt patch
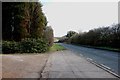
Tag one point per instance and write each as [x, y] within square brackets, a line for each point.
[23, 66]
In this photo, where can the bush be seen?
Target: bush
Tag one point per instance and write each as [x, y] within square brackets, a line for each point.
[33, 45]
[108, 36]
[28, 45]
[10, 47]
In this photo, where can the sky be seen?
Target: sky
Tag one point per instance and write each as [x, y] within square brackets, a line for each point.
[64, 16]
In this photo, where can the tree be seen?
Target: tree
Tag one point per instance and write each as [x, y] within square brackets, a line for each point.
[108, 36]
[70, 34]
[23, 19]
[13, 18]
[49, 35]
[38, 21]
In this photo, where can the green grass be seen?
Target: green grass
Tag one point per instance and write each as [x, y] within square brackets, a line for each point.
[57, 47]
[109, 48]
[101, 47]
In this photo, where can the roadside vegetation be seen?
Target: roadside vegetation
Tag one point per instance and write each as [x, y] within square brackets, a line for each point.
[104, 37]
[57, 47]
[24, 28]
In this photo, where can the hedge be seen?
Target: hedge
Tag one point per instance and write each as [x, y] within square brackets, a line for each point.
[28, 45]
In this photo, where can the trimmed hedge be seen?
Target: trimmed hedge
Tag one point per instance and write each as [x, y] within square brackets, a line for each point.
[28, 45]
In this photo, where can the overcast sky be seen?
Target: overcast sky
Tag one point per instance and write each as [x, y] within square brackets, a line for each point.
[79, 16]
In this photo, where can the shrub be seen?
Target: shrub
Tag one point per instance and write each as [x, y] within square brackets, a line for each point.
[106, 36]
[28, 45]
[33, 45]
[10, 47]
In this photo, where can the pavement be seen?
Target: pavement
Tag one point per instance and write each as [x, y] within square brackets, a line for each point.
[67, 64]
[23, 65]
[60, 64]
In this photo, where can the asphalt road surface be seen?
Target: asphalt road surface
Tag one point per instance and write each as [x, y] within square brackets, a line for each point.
[66, 64]
[60, 64]
[107, 58]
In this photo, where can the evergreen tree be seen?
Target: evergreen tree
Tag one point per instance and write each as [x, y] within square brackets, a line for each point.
[23, 19]
[38, 20]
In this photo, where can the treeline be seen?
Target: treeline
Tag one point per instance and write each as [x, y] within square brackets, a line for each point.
[24, 22]
[104, 36]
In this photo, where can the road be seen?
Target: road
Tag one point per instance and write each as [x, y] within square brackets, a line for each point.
[107, 58]
[66, 64]
[60, 64]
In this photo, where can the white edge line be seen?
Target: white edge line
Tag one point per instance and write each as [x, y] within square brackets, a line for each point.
[103, 67]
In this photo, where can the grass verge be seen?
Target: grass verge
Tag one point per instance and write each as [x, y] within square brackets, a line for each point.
[102, 48]
[109, 48]
[57, 47]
